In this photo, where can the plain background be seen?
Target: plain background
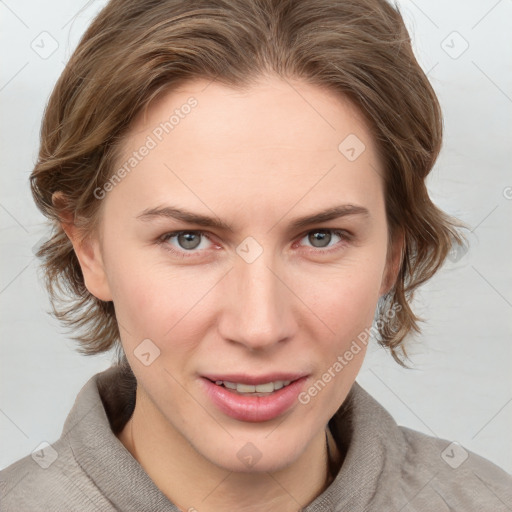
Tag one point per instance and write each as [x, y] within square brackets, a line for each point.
[460, 386]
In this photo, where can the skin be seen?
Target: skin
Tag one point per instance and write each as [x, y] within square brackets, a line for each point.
[257, 160]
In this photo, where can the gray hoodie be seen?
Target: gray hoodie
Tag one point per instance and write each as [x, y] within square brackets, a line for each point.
[386, 467]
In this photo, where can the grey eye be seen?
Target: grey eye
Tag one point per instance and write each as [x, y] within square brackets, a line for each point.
[320, 238]
[189, 240]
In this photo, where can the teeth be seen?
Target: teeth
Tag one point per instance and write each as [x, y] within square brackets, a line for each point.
[268, 387]
[265, 388]
[246, 388]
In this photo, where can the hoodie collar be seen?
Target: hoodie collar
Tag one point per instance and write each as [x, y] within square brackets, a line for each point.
[364, 431]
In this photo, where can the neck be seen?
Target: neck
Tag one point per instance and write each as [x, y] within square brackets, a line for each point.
[195, 484]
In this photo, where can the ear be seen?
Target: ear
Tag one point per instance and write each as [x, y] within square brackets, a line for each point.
[88, 252]
[394, 262]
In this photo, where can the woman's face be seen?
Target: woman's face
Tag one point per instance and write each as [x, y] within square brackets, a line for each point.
[255, 289]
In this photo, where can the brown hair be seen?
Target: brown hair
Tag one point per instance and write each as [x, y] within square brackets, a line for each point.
[137, 49]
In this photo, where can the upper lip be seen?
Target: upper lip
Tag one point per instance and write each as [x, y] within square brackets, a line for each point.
[244, 378]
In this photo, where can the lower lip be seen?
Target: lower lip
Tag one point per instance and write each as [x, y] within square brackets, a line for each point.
[257, 408]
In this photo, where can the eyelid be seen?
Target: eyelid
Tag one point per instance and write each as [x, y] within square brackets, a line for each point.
[163, 239]
[345, 236]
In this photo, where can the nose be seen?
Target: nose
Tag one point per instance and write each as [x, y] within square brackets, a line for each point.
[258, 310]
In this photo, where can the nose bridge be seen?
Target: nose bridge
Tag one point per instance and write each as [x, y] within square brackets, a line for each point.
[259, 310]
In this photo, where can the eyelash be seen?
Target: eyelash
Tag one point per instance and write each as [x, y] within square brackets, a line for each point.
[344, 235]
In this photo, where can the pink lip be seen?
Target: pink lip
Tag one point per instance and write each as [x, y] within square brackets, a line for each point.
[257, 408]
[243, 378]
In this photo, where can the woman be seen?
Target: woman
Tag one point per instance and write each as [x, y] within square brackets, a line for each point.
[239, 201]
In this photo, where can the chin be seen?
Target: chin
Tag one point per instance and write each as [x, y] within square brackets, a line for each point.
[257, 456]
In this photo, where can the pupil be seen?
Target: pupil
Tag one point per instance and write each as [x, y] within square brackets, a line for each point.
[187, 241]
[320, 238]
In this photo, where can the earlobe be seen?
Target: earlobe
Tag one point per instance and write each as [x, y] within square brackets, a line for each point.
[88, 253]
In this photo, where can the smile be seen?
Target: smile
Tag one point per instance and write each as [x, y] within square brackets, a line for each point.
[254, 399]
[251, 389]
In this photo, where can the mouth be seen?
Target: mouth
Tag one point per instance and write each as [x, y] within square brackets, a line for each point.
[251, 398]
[264, 389]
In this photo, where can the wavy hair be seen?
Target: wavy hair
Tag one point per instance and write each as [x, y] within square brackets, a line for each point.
[136, 50]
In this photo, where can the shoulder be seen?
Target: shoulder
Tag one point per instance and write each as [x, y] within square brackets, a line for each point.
[454, 478]
[49, 479]
[410, 471]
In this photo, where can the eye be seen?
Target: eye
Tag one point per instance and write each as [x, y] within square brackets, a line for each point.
[191, 243]
[324, 238]
[186, 241]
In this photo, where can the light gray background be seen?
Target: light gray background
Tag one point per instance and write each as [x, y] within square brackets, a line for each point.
[460, 388]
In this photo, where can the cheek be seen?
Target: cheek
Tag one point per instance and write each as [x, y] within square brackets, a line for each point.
[346, 302]
[345, 296]
[156, 301]
[349, 319]
[135, 292]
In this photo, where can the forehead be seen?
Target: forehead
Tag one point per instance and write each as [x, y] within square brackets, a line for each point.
[265, 147]
[273, 112]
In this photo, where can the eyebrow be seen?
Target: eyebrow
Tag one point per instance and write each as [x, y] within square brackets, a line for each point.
[173, 212]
